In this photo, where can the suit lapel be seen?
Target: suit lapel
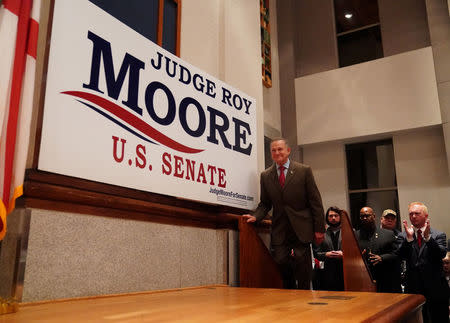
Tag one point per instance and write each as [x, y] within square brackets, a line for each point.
[274, 177]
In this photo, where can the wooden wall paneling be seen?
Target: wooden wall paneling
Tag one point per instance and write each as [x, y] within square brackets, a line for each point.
[256, 266]
[356, 274]
[69, 194]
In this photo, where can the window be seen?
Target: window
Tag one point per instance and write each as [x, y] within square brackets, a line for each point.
[371, 178]
[358, 31]
[156, 20]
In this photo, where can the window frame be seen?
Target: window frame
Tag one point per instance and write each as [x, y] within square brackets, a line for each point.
[159, 31]
[394, 188]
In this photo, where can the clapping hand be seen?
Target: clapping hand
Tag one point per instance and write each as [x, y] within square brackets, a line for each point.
[426, 233]
[409, 230]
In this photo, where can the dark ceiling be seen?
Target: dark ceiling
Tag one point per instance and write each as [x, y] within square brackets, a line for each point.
[365, 12]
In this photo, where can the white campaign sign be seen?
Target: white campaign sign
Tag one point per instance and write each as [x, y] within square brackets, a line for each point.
[121, 110]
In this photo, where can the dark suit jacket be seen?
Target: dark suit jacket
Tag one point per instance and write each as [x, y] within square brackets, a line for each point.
[332, 275]
[382, 242]
[424, 265]
[299, 200]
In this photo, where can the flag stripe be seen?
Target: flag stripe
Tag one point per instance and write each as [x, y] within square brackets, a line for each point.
[16, 88]
[13, 6]
[33, 38]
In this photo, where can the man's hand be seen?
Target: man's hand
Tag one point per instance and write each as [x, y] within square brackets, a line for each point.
[426, 232]
[374, 259]
[409, 230]
[336, 254]
[318, 237]
[250, 218]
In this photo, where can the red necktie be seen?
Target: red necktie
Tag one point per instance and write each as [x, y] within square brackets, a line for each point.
[419, 237]
[281, 178]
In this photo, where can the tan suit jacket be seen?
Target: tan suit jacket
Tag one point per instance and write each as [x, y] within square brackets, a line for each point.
[299, 200]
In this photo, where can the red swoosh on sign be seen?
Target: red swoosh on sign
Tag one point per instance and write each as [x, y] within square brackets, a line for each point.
[134, 121]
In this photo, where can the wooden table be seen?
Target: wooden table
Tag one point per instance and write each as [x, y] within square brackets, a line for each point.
[225, 304]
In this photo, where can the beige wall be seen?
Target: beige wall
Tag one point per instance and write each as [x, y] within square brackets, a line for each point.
[195, 26]
[222, 37]
[329, 170]
[286, 31]
[439, 24]
[389, 94]
[316, 44]
[422, 174]
[403, 25]
[271, 96]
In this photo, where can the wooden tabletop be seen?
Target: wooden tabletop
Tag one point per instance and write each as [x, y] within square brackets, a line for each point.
[222, 304]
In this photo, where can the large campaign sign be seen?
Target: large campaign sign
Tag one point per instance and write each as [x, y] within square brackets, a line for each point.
[121, 110]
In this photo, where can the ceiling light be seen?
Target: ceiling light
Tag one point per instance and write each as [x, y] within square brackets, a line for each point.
[348, 15]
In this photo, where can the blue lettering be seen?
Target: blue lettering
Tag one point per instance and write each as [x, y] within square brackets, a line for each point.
[221, 129]
[201, 117]
[168, 60]
[198, 86]
[238, 135]
[226, 96]
[157, 66]
[149, 100]
[210, 87]
[238, 105]
[102, 48]
[184, 71]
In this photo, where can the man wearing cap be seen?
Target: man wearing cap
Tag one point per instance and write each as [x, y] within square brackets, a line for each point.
[389, 221]
[423, 249]
[378, 246]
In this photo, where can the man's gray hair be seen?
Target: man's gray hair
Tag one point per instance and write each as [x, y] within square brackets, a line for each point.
[279, 139]
[424, 207]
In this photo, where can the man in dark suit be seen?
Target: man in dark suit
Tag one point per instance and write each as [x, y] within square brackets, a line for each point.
[389, 222]
[378, 246]
[331, 277]
[423, 249]
[289, 188]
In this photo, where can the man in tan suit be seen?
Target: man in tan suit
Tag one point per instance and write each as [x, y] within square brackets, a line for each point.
[298, 217]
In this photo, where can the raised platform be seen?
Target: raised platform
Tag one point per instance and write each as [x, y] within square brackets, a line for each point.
[223, 303]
